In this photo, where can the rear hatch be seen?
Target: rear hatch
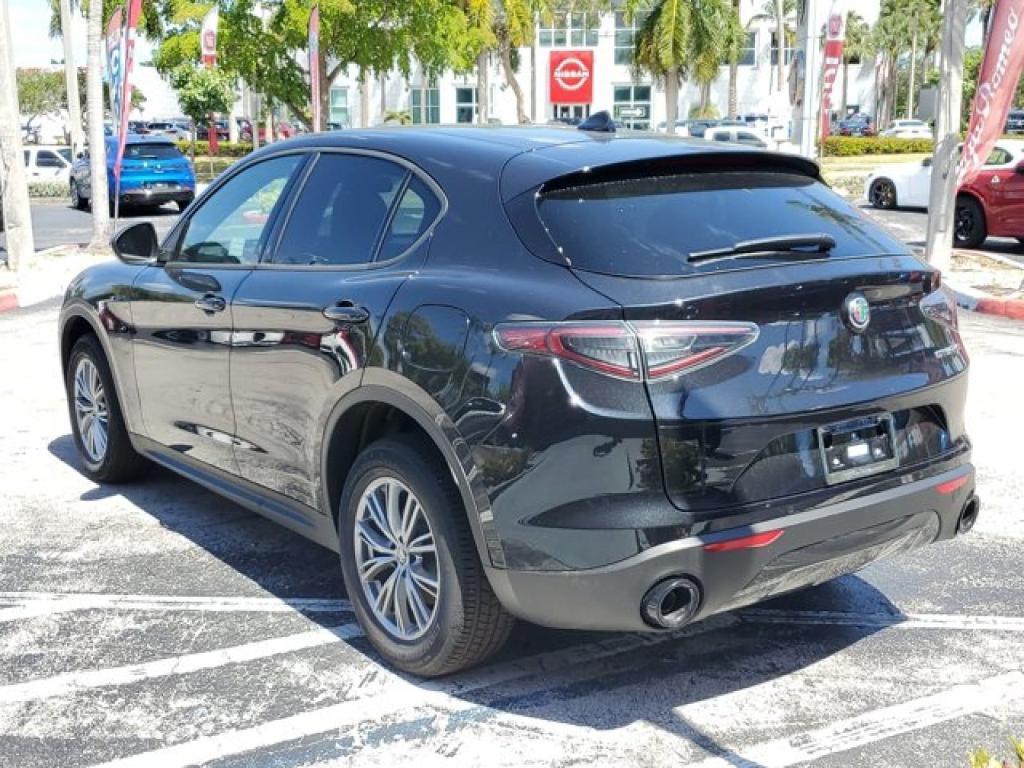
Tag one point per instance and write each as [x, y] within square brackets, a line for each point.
[820, 354]
[155, 165]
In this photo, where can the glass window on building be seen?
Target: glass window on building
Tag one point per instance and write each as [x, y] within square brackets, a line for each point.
[553, 34]
[339, 116]
[625, 36]
[432, 111]
[465, 104]
[775, 51]
[748, 54]
[583, 29]
[632, 106]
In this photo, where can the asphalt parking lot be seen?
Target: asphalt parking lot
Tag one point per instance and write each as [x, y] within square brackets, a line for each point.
[158, 625]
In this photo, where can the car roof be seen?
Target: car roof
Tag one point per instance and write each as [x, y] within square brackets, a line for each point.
[524, 156]
[142, 138]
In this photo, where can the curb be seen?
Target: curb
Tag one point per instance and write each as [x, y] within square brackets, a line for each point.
[8, 301]
[979, 301]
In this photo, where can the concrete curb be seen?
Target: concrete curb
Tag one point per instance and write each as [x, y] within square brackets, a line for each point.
[979, 301]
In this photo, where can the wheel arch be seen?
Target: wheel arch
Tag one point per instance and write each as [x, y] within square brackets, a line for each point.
[374, 411]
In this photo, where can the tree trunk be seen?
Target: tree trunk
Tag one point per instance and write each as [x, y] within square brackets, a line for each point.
[481, 88]
[846, 82]
[326, 79]
[71, 80]
[270, 122]
[913, 72]
[16, 212]
[780, 34]
[513, 83]
[733, 74]
[364, 99]
[671, 101]
[383, 95]
[99, 194]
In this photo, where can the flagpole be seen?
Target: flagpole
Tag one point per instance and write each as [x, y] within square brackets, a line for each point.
[117, 157]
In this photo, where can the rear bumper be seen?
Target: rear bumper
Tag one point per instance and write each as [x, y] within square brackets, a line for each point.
[156, 196]
[815, 546]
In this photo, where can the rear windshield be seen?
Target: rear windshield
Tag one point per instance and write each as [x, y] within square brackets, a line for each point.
[151, 152]
[650, 225]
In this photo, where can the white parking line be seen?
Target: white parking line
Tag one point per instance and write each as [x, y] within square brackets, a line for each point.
[72, 682]
[397, 695]
[895, 621]
[876, 725]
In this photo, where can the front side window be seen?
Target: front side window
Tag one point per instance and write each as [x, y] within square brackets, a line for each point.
[341, 211]
[229, 226]
[426, 105]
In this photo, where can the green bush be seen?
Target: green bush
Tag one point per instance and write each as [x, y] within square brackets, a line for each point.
[48, 189]
[852, 146]
[224, 148]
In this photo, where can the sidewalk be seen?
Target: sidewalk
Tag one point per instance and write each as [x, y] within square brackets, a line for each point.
[47, 278]
[987, 282]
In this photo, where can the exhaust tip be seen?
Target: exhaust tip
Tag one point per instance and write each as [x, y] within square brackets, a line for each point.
[671, 603]
[969, 515]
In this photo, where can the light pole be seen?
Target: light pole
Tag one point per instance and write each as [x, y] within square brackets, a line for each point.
[942, 194]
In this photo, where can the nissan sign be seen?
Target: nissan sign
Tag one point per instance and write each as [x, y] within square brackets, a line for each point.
[572, 77]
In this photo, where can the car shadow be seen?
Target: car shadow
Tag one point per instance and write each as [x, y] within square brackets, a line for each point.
[649, 680]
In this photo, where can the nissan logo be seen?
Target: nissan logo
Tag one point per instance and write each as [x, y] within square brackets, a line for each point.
[857, 312]
[571, 73]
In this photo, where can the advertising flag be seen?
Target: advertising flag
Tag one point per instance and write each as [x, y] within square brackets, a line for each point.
[835, 37]
[132, 21]
[208, 37]
[997, 81]
[115, 72]
[314, 64]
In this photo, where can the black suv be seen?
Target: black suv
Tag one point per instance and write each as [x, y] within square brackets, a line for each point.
[588, 381]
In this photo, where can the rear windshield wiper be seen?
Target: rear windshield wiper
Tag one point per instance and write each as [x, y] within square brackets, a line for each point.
[785, 245]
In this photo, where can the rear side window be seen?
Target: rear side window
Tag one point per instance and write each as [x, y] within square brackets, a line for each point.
[340, 213]
[415, 213]
[650, 225]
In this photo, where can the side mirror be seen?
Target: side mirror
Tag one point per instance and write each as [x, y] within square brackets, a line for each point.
[136, 244]
[927, 162]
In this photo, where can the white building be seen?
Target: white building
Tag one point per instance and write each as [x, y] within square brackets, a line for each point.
[602, 44]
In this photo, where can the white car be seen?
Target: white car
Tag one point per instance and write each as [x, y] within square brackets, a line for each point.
[908, 129]
[173, 129]
[736, 135]
[48, 163]
[907, 184]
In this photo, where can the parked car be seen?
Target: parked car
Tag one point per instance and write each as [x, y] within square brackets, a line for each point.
[51, 163]
[908, 129]
[593, 381]
[173, 130]
[1015, 121]
[735, 135]
[856, 125]
[203, 131]
[153, 172]
[991, 203]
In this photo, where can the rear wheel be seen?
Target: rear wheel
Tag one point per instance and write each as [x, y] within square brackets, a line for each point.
[77, 201]
[97, 425]
[410, 564]
[183, 204]
[882, 194]
[969, 230]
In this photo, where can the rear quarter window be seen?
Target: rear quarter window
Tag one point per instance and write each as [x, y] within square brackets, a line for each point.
[649, 226]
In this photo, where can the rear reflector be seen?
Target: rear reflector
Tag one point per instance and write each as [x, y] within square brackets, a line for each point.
[637, 350]
[756, 541]
[950, 486]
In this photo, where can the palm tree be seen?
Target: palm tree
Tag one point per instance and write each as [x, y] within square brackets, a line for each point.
[98, 192]
[778, 12]
[60, 20]
[736, 40]
[856, 48]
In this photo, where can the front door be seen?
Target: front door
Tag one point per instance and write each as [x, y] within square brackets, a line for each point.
[182, 314]
[1004, 194]
[305, 323]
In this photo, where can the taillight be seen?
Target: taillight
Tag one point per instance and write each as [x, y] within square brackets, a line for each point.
[940, 306]
[638, 350]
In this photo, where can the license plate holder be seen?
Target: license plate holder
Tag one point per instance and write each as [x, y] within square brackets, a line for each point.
[858, 447]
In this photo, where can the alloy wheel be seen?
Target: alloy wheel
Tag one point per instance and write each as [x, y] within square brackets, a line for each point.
[963, 225]
[396, 559]
[883, 195]
[91, 411]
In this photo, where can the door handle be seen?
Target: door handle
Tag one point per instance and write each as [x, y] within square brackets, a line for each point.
[346, 312]
[211, 303]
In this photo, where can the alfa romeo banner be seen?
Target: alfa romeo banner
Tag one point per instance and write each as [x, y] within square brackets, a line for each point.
[835, 37]
[134, 11]
[208, 37]
[997, 83]
[115, 69]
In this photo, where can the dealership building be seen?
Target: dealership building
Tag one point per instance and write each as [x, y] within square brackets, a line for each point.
[581, 63]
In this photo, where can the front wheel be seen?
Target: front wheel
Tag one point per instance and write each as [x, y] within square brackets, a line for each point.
[969, 229]
[410, 564]
[78, 202]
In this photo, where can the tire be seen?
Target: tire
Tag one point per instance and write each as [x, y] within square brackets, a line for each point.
[466, 622]
[118, 461]
[183, 204]
[969, 229]
[78, 202]
[882, 194]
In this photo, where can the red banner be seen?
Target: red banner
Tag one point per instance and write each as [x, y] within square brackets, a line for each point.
[835, 35]
[997, 82]
[208, 37]
[572, 77]
[132, 21]
[314, 64]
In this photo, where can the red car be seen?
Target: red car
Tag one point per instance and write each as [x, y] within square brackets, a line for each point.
[991, 202]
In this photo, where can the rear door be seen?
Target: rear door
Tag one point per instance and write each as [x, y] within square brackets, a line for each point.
[749, 358]
[305, 322]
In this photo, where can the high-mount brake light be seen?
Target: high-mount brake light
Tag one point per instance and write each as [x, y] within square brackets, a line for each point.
[638, 350]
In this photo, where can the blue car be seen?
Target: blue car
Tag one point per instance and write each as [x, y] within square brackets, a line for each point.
[153, 172]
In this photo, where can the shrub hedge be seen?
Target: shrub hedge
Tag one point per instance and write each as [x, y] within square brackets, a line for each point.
[851, 146]
[224, 148]
[48, 189]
